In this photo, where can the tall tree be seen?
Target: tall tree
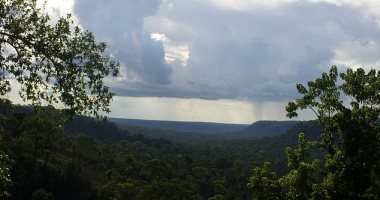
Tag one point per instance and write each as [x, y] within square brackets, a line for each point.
[348, 108]
[57, 63]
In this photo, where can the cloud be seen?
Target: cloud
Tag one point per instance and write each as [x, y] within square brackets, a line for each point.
[248, 5]
[230, 49]
[120, 24]
[263, 53]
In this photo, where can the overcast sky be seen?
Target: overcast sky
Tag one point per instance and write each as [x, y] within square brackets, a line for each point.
[231, 61]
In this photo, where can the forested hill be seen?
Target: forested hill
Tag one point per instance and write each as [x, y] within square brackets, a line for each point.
[204, 132]
[281, 131]
[198, 127]
[267, 128]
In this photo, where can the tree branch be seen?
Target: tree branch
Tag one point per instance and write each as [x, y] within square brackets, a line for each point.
[314, 112]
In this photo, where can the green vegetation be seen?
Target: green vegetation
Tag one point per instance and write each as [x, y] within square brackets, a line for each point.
[199, 127]
[350, 142]
[44, 157]
[182, 134]
[89, 159]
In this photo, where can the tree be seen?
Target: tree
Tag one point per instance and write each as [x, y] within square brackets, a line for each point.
[348, 108]
[265, 182]
[56, 63]
[5, 179]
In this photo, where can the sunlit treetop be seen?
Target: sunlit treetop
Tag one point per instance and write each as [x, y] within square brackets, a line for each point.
[54, 62]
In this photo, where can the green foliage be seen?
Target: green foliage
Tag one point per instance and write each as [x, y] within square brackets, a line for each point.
[5, 162]
[217, 197]
[5, 177]
[265, 181]
[41, 194]
[79, 161]
[53, 62]
[299, 182]
[350, 140]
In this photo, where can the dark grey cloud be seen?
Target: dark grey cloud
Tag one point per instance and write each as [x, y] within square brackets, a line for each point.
[120, 23]
[258, 55]
[262, 54]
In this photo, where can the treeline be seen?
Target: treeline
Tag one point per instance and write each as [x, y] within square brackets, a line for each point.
[256, 130]
[88, 159]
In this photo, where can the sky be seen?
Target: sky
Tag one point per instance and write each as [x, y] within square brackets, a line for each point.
[232, 61]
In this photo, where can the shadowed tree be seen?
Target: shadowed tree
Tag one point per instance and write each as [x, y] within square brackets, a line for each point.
[5, 179]
[351, 140]
[57, 63]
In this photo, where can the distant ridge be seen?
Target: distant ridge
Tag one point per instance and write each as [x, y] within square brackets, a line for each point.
[267, 128]
[198, 127]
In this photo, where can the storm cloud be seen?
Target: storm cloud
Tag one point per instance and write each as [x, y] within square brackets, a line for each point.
[220, 50]
[120, 24]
